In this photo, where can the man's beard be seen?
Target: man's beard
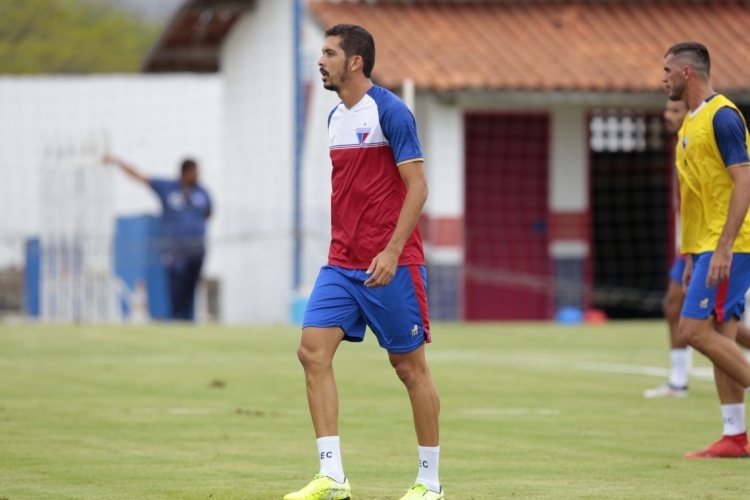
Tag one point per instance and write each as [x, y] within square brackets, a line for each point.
[336, 86]
[677, 92]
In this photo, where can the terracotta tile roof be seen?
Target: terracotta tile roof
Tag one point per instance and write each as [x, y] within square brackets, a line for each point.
[601, 46]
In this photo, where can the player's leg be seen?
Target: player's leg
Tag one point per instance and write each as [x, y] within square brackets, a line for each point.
[743, 335]
[719, 349]
[176, 288]
[730, 392]
[413, 371]
[192, 275]
[672, 307]
[398, 316]
[679, 356]
[316, 351]
[709, 323]
[725, 302]
[331, 316]
[731, 395]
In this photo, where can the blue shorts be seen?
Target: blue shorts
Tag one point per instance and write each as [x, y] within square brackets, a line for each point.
[724, 301]
[396, 313]
[678, 269]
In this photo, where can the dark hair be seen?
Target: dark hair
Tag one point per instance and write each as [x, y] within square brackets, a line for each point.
[695, 52]
[188, 165]
[356, 41]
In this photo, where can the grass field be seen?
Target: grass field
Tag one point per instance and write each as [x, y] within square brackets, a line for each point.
[180, 412]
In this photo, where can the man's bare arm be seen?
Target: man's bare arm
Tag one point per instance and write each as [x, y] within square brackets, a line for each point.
[739, 203]
[131, 171]
[383, 266]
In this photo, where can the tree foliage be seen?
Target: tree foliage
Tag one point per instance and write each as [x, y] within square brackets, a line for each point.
[70, 36]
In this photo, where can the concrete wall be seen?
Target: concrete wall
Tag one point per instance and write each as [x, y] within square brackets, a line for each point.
[152, 121]
[441, 131]
[316, 164]
[255, 260]
[238, 124]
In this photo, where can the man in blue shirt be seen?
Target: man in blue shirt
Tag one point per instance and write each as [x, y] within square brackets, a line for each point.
[186, 206]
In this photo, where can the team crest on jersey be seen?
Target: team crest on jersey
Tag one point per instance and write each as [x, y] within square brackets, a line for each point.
[362, 134]
[684, 143]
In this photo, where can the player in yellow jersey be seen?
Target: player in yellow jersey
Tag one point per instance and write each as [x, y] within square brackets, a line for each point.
[677, 385]
[714, 171]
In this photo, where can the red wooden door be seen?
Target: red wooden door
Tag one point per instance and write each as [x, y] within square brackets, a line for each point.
[508, 273]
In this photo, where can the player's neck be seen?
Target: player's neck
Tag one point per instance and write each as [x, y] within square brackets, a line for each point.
[700, 93]
[354, 92]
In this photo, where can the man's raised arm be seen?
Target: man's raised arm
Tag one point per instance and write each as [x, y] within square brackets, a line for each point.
[131, 171]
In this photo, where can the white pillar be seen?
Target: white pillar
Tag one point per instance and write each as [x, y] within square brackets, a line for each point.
[569, 232]
[256, 211]
[442, 133]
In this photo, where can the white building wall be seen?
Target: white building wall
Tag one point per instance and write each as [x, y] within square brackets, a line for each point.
[316, 162]
[569, 179]
[442, 137]
[569, 191]
[255, 259]
[152, 121]
[441, 133]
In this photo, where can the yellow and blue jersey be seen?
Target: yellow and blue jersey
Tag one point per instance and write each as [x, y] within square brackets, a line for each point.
[711, 139]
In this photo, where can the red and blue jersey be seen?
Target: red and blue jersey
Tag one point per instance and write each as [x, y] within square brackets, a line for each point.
[368, 144]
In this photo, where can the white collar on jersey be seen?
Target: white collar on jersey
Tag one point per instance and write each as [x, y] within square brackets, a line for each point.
[703, 105]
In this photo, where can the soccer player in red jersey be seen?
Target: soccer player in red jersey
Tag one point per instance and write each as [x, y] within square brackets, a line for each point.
[375, 274]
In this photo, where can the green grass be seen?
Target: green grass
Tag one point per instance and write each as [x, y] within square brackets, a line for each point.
[180, 412]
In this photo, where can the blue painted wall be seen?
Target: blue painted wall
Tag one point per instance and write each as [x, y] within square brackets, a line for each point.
[136, 257]
[32, 278]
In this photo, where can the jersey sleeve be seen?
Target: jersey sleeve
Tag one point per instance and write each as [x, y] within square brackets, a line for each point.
[161, 188]
[400, 129]
[729, 130]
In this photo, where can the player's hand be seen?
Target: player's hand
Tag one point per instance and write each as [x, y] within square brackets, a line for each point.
[382, 269]
[107, 158]
[687, 274]
[718, 269]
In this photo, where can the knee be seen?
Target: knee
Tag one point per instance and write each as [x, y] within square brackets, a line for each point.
[672, 312]
[309, 357]
[409, 373]
[667, 307]
[692, 335]
[672, 306]
[313, 359]
[404, 372]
